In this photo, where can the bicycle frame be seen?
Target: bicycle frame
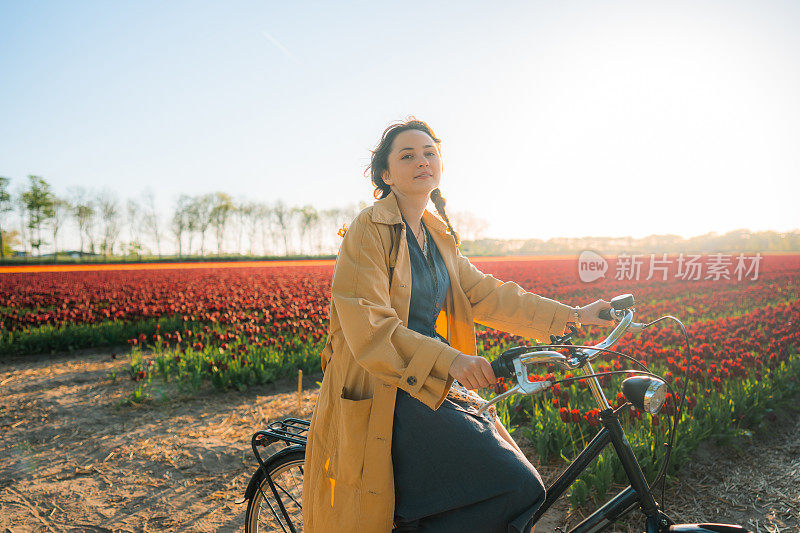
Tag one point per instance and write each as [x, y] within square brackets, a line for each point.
[611, 432]
[637, 492]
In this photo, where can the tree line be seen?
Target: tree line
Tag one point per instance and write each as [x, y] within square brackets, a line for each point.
[736, 241]
[35, 221]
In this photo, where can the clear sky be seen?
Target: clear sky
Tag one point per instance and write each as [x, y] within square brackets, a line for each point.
[556, 118]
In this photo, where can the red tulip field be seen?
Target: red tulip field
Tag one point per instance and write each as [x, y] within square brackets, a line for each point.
[153, 360]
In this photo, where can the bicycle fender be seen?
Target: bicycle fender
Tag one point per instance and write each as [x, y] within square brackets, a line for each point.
[707, 528]
[255, 482]
[259, 475]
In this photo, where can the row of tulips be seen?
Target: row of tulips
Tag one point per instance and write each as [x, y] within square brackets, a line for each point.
[35, 305]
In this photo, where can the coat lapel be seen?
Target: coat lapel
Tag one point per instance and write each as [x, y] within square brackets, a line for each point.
[458, 328]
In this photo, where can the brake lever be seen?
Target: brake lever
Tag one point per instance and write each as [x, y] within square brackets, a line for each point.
[616, 316]
[523, 386]
[564, 339]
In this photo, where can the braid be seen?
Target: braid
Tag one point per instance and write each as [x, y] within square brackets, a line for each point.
[439, 202]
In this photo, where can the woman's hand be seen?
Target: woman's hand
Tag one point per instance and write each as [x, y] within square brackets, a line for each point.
[472, 371]
[590, 314]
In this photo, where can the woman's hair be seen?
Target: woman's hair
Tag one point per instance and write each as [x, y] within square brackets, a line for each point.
[379, 163]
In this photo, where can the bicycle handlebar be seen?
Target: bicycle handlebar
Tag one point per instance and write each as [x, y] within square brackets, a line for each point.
[512, 362]
[503, 364]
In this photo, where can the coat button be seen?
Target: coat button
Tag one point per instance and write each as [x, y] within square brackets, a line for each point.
[411, 380]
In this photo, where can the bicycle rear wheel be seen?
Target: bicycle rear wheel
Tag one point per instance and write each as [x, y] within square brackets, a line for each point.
[285, 468]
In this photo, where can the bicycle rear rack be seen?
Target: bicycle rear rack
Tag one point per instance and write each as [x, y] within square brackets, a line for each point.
[288, 430]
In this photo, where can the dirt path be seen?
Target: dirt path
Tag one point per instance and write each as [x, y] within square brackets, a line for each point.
[73, 459]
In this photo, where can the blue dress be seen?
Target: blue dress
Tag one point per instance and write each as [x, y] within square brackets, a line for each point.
[453, 472]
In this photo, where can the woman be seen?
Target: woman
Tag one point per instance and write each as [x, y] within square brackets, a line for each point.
[395, 443]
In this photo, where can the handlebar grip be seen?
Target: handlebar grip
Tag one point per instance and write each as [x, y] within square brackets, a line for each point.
[501, 368]
[605, 314]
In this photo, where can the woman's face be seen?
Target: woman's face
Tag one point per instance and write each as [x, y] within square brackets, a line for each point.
[415, 167]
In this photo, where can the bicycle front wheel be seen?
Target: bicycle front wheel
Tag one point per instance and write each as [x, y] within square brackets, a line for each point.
[264, 514]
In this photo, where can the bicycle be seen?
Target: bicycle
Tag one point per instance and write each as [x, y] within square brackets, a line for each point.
[644, 390]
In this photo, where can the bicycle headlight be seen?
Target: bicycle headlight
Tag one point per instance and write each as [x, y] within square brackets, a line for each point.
[645, 393]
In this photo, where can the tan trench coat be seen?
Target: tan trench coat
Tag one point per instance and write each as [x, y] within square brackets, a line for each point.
[348, 483]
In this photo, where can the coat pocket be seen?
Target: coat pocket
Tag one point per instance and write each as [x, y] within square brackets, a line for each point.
[352, 425]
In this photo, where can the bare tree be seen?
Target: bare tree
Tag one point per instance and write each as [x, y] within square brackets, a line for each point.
[5, 207]
[330, 226]
[308, 218]
[344, 217]
[283, 218]
[265, 220]
[468, 226]
[220, 214]
[38, 200]
[132, 215]
[239, 216]
[262, 224]
[252, 217]
[61, 209]
[108, 207]
[180, 220]
[22, 213]
[83, 211]
[203, 205]
[150, 218]
[192, 218]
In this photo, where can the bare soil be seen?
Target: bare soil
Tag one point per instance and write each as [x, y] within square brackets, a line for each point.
[75, 456]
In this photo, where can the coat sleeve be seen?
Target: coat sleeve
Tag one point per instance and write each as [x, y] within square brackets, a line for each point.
[372, 329]
[508, 307]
